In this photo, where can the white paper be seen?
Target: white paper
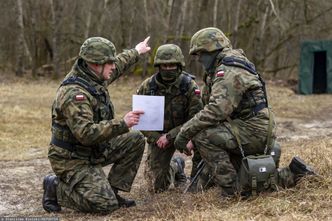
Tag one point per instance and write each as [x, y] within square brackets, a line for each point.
[153, 107]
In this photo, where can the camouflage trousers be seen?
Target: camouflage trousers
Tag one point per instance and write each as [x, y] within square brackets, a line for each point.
[160, 170]
[84, 186]
[219, 150]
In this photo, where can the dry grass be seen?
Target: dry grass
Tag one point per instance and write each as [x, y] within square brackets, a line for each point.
[25, 132]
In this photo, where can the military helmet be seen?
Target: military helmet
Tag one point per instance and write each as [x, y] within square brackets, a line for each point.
[208, 40]
[169, 54]
[98, 50]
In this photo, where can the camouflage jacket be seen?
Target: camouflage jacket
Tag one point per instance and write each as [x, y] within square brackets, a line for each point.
[81, 117]
[233, 92]
[180, 105]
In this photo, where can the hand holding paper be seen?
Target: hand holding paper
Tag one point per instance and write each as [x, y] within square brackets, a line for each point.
[132, 117]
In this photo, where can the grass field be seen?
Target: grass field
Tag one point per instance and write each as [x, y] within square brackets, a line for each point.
[305, 124]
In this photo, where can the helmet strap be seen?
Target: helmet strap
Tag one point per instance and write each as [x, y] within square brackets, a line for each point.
[102, 70]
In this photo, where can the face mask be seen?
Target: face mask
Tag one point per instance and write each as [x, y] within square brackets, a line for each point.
[207, 60]
[168, 75]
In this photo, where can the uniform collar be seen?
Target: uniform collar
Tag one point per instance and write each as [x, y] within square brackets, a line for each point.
[83, 70]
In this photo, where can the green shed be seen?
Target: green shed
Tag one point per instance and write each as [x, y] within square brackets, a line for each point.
[315, 75]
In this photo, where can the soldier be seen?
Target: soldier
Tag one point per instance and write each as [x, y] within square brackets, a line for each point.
[182, 101]
[86, 137]
[236, 121]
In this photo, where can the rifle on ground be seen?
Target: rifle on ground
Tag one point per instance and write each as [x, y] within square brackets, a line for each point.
[200, 168]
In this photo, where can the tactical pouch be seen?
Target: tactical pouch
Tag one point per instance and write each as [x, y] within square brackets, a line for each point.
[258, 173]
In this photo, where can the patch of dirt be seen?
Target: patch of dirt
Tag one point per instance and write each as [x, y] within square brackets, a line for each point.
[296, 129]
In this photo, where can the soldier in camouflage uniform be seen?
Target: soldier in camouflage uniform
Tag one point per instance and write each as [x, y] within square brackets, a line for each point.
[182, 101]
[86, 137]
[234, 96]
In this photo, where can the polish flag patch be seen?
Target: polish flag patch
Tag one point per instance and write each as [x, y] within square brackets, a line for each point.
[220, 74]
[197, 91]
[79, 97]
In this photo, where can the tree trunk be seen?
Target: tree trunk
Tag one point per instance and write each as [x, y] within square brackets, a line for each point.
[169, 19]
[34, 56]
[258, 55]
[215, 13]
[236, 23]
[181, 22]
[55, 6]
[104, 13]
[123, 25]
[147, 31]
[20, 40]
[88, 20]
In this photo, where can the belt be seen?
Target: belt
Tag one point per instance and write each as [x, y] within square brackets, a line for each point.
[62, 144]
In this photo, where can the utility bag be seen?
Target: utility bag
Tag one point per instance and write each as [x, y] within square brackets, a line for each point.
[258, 174]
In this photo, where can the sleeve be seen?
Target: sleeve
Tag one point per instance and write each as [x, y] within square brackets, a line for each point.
[77, 109]
[124, 61]
[194, 106]
[226, 94]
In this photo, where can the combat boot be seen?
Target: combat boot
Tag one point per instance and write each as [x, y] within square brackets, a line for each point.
[299, 168]
[49, 201]
[180, 176]
[122, 201]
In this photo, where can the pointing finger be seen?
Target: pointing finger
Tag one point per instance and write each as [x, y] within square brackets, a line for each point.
[146, 40]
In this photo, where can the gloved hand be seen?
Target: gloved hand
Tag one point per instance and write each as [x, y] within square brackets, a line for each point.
[180, 144]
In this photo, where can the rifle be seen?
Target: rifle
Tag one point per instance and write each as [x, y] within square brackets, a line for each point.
[200, 167]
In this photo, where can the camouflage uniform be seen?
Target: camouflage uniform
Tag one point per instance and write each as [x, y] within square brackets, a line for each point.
[85, 137]
[231, 91]
[182, 101]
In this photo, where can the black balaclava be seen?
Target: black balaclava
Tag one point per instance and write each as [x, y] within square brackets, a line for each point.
[169, 76]
[207, 59]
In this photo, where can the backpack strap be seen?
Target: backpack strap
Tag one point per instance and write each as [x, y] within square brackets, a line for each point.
[254, 186]
[185, 82]
[241, 63]
[153, 85]
[81, 82]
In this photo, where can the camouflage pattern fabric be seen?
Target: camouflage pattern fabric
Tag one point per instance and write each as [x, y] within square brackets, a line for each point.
[98, 50]
[169, 54]
[160, 170]
[178, 109]
[86, 121]
[226, 95]
[208, 40]
[83, 185]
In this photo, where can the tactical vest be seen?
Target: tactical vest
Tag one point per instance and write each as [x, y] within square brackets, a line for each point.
[184, 86]
[253, 100]
[104, 110]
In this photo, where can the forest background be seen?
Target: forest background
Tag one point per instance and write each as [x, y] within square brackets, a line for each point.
[42, 37]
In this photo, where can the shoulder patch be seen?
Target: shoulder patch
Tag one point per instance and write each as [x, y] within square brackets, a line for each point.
[79, 97]
[220, 74]
[197, 91]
